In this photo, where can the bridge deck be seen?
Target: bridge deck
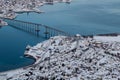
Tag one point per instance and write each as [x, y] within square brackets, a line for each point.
[37, 29]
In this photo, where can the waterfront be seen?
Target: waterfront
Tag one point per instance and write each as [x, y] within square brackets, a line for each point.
[12, 47]
[80, 16]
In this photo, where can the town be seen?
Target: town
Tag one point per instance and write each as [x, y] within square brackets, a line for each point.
[71, 58]
[11, 8]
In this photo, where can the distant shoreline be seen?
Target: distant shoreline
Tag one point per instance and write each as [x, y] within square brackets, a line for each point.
[105, 34]
[36, 10]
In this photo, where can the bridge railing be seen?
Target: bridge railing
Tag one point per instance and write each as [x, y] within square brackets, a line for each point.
[34, 28]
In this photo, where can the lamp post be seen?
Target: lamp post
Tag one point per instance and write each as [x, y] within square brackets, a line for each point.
[77, 39]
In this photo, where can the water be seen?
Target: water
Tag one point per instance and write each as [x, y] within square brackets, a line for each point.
[81, 16]
[12, 47]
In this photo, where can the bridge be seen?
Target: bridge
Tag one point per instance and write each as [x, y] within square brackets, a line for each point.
[36, 29]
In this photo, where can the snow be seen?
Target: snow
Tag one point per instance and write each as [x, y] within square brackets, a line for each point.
[107, 38]
[10, 8]
[61, 57]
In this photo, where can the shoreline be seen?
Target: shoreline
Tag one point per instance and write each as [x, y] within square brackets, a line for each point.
[104, 34]
[36, 9]
[29, 11]
[36, 60]
[20, 70]
[36, 52]
[24, 67]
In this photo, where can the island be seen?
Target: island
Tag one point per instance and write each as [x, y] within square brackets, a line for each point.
[11, 8]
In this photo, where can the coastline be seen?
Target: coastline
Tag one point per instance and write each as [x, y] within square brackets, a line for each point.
[42, 51]
[18, 70]
[37, 60]
[105, 34]
[14, 11]
[24, 67]
[29, 11]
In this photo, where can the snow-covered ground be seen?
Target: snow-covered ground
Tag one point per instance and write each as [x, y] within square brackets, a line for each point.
[71, 58]
[107, 38]
[10, 8]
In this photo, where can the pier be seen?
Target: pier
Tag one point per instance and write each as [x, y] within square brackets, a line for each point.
[36, 29]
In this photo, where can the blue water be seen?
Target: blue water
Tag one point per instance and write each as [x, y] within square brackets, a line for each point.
[86, 17]
[12, 47]
[81, 16]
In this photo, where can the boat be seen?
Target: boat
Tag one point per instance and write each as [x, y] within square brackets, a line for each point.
[3, 23]
[10, 16]
[28, 47]
[68, 1]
